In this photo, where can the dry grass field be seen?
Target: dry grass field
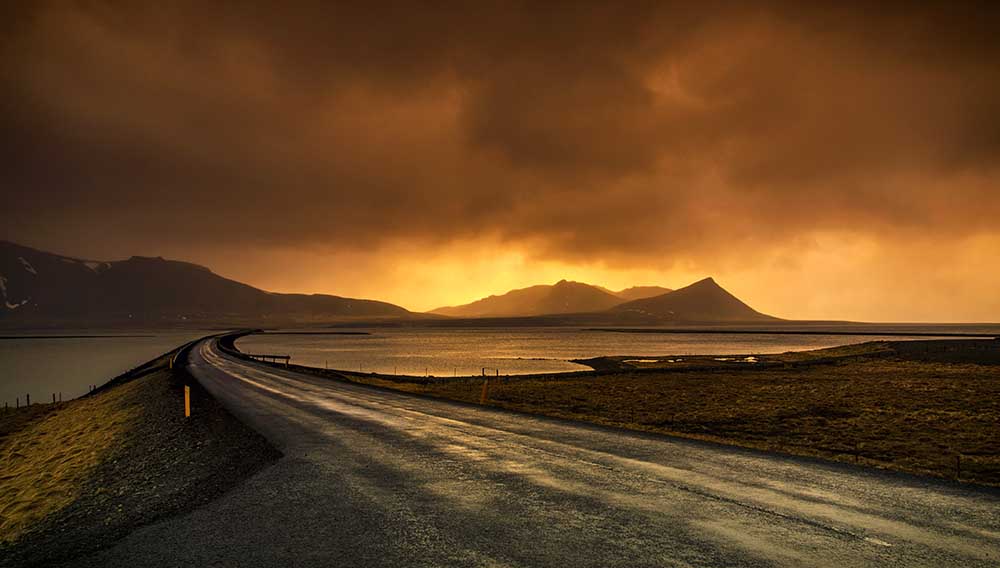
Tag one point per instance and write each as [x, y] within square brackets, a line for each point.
[79, 475]
[878, 408]
[49, 452]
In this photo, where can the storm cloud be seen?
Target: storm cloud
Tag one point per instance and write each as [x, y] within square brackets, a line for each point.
[627, 134]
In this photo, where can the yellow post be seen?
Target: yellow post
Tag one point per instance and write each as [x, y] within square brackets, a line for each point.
[187, 401]
[482, 399]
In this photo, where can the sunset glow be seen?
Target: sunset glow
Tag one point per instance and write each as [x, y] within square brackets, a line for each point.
[823, 163]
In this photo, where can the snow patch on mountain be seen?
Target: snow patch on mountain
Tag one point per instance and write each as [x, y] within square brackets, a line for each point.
[27, 265]
[3, 291]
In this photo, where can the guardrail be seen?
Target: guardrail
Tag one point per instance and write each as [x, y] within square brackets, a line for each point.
[266, 357]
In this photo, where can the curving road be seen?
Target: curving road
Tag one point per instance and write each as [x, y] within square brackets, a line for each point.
[375, 478]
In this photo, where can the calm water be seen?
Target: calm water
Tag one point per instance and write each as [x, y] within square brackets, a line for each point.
[445, 353]
[44, 366]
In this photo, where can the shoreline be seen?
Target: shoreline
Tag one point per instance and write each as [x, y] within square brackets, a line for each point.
[794, 332]
[610, 364]
[910, 406]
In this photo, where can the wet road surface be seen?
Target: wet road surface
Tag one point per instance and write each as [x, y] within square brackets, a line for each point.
[376, 478]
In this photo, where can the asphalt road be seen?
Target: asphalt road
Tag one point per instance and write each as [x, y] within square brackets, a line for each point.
[375, 478]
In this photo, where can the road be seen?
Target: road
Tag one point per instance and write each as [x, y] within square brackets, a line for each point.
[376, 478]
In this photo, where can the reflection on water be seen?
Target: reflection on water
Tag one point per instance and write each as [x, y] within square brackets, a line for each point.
[68, 365]
[445, 353]
[45, 366]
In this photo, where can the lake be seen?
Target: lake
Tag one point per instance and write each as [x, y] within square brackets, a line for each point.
[458, 352]
[68, 365]
[42, 366]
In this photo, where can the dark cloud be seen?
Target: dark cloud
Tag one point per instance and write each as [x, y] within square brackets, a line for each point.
[610, 131]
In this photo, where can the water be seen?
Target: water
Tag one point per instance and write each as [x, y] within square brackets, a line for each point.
[68, 365]
[458, 352]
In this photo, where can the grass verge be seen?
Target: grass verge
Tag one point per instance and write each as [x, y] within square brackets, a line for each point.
[77, 476]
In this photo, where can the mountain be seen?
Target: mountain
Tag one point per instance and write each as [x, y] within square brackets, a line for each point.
[703, 301]
[640, 292]
[40, 286]
[564, 297]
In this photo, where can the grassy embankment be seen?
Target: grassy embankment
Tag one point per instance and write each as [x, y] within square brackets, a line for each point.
[78, 475]
[907, 406]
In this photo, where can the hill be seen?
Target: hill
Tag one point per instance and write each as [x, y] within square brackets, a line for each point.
[703, 301]
[564, 297]
[40, 286]
[640, 292]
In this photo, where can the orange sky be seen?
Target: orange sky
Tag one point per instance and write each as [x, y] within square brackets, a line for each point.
[833, 277]
[819, 161]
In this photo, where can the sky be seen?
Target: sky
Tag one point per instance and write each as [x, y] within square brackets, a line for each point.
[819, 161]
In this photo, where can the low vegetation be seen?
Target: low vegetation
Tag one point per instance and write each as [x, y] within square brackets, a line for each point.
[910, 409]
[50, 451]
[80, 475]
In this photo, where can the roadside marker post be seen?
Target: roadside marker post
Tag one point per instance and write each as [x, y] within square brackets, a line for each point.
[187, 401]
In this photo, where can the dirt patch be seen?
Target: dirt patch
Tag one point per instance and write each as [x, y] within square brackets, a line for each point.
[143, 461]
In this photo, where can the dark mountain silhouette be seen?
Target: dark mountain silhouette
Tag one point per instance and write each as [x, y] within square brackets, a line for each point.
[703, 301]
[36, 285]
[640, 292]
[564, 297]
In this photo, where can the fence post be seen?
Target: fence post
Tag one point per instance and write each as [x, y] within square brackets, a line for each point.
[958, 467]
[482, 399]
[53, 398]
[27, 399]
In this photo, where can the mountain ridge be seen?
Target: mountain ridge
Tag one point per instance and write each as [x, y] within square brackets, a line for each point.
[563, 297]
[38, 285]
[703, 300]
[42, 287]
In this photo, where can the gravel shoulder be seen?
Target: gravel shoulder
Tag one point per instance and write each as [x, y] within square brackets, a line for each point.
[124, 457]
